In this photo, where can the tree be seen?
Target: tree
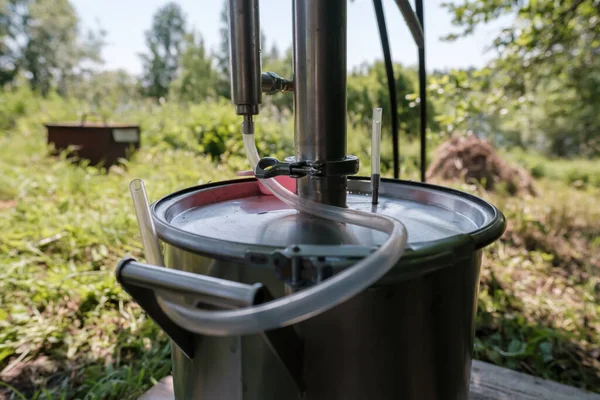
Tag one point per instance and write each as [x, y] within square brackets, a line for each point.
[548, 61]
[42, 38]
[196, 76]
[367, 90]
[106, 93]
[223, 86]
[164, 40]
[8, 67]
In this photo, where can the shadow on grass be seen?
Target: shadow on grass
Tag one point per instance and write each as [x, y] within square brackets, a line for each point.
[125, 374]
[506, 338]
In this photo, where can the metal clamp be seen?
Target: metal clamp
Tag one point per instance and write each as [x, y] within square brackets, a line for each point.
[349, 165]
[303, 265]
[270, 167]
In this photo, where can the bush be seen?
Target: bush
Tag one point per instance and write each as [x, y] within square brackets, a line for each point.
[538, 171]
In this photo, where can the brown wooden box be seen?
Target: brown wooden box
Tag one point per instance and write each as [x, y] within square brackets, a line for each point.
[98, 143]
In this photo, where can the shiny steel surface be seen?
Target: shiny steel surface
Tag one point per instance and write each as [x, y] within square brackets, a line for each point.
[206, 290]
[319, 38]
[236, 217]
[409, 338]
[228, 368]
[244, 53]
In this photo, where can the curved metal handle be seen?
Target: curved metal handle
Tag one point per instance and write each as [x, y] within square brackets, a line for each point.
[147, 283]
[160, 290]
[209, 291]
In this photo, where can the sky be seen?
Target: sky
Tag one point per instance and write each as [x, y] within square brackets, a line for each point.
[125, 22]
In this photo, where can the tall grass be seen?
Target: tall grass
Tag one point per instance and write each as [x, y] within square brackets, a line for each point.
[68, 331]
[578, 173]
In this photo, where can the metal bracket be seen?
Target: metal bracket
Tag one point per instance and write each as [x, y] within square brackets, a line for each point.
[270, 167]
[303, 265]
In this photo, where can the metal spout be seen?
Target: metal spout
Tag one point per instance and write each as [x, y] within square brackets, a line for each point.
[273, 83]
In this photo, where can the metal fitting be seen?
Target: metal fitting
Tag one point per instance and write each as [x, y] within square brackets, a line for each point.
[270, 167]
[305, 265]
[273, 83]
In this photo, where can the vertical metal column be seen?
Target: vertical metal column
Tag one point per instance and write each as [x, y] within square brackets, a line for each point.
[422, 91]
[320, 93]
[244, 52]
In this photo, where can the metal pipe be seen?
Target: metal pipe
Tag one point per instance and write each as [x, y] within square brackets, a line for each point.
[422, 93]
[413, 22]
[206, 290]
[319, 37]
[244, 58]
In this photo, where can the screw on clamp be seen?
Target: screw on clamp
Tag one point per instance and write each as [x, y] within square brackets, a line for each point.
[269, 167]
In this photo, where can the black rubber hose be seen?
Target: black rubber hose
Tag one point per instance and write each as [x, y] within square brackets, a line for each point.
[389, 69]
[422, 92]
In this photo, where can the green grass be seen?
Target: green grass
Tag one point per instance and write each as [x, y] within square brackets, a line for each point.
[539, 305]
[65, 325]
[578, 173]
[67, 330]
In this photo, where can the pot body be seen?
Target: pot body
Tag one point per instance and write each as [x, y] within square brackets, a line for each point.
[409, 339]
[409, 336]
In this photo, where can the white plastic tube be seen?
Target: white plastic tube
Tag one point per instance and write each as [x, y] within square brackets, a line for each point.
[307, 303]
[147, 229]
[376, 142]
[375, 154]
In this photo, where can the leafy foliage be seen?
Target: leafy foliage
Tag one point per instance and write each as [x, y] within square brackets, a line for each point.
[367, 89]
[68, 331]
[42, 39]
[222, 56]
[165, 41]
[196, 77]
[547, 69]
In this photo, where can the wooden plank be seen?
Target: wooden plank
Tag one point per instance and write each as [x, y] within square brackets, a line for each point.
[163, 390]
[488, 382]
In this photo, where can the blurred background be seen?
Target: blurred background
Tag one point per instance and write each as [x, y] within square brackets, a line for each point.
[513, 100]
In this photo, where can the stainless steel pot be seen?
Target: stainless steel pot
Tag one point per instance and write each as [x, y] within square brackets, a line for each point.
[410, 336]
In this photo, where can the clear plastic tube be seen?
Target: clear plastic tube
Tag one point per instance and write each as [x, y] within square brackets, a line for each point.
[144, 217]
[307, 303]
[376, 142]
[375, 155]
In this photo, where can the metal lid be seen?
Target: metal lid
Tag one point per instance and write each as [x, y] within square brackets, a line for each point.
[230, 218]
